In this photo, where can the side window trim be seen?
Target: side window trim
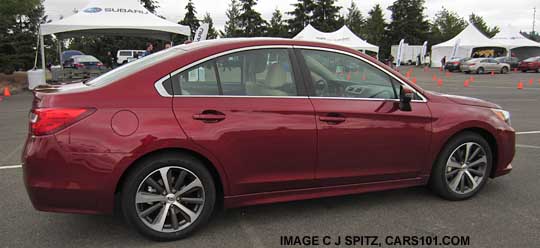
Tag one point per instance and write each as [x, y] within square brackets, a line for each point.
[309, 81]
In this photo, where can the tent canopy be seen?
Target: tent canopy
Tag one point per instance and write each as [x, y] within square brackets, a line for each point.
[512, 38]
[118, 17]
[469, 39]
[343, 37]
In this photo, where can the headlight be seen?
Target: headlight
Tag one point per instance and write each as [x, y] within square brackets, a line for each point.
[502, 114]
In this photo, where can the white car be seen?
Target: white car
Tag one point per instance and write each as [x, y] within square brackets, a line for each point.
[126, 56]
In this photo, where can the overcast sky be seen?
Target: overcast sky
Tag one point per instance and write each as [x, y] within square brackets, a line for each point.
[518, 13]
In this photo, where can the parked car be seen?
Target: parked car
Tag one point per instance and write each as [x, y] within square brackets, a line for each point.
[83, 62]
[483, 65]
[126, 56]
[170, 138]
[530, 64]
[512, 61]
[454, 64]
[66, 55]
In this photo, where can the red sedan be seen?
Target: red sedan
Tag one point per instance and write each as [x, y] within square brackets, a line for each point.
[236, 122]
[530, 64]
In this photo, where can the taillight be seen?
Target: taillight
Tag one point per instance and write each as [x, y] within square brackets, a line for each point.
[78, 65]
[455, 63]
[472, 64]
[51, 120]
[99, 64]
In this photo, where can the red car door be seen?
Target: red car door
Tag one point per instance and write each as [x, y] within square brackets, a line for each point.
[247, 110]
[362, 134]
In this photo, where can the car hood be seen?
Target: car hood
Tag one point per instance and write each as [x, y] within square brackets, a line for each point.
[463, 100]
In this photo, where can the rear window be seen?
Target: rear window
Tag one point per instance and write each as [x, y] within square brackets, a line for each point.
[135, 66]
[533, 59]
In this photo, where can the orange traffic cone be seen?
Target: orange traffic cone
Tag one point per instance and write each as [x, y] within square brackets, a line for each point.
[466, 83]
[349, 76]
[434, 78]
[531, 81]
[414, 80]
[520, 85]
[471, 79]
[364, 77]
[408, 75]
[6, 91]
[515, 69]
[492, 73]
[440, 82]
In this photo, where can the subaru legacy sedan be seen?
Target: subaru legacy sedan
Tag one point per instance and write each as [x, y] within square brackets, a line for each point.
[172, 137]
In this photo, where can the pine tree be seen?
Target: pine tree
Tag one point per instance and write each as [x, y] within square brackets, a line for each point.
[326, 16]
[150, 5]
[190, 19]
[277, 26]
[212, 33]
[481, 25]
[301, 16]
[375, 28]
[446, 25]
[232, 25]
[251, 22]
[355, 20]
[408, 22]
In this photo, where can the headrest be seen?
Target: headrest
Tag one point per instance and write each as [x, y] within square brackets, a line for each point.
[276, 76]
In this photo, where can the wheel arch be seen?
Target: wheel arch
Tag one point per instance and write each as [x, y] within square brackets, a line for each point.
[216, 176]
[484, 133]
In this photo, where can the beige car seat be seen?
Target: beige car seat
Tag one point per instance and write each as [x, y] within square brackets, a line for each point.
[276, 77]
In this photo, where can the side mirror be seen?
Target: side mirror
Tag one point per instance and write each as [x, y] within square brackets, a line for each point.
[405, 97]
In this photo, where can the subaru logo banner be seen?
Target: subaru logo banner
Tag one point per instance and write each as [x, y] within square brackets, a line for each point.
[93, 10]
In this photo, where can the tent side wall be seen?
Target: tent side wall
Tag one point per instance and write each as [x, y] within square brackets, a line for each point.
[437, 53]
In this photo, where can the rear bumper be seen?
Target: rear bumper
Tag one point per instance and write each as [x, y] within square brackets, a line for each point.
[60, 181]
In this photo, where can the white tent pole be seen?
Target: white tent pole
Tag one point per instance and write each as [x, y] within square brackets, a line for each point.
[42, 48]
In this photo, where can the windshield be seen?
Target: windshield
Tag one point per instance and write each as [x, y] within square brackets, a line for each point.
[135, 66]
[85, 58]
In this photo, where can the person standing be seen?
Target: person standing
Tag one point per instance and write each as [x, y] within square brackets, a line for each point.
[443, 63]
[149, 49]
[110, 60]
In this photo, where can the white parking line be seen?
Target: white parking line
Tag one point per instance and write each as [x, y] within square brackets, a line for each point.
[527, 146]
[530, 132]
[5, 167]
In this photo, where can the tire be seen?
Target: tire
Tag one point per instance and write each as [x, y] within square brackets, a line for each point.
[444, 176]
[467, 72]
[504, 70]
[480, 71]
[523, 71]
[143, 184]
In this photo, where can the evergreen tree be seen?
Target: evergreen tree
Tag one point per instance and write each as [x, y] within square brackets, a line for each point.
[212, 33]
[531, 35]
[251, 22]
[326, 16]
[355, 20]
[150, 5]
[232, 25]
[19, 27]
[277, 26]
[301, 16]
[408, 22]
[446, 25]
[190, 19]
[375, 28]
[481, 25]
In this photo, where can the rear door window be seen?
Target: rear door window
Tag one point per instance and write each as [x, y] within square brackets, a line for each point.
[198, 80]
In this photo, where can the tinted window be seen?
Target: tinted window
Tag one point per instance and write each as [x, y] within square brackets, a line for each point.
[264, 72]
[199, 80]
[339, 75]
[125, 53]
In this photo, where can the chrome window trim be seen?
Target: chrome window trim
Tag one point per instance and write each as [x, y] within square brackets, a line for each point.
[162, 92]
[424, 99]
[159, 86]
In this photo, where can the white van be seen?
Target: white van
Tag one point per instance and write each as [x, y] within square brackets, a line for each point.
[126, 56]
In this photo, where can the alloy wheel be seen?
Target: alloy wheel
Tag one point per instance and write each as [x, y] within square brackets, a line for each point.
[170, 199]
[466, 168]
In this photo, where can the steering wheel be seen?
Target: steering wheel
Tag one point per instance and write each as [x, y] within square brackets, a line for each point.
[321, 87]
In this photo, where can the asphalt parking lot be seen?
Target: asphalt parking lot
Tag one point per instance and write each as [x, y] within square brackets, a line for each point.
[505, 214]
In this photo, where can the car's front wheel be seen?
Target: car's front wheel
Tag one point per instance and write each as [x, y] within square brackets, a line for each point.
[167, 197]
[504, 70]
[462, 168]
[480, 71]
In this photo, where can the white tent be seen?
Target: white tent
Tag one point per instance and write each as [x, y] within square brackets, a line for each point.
[113, 17]
[520, 46]
[343, 37]
[469, 39]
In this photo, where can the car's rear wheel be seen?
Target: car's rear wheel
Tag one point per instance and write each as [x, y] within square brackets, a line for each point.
[168, 197]
[504, 70]
[480, 70]
[462, 168]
